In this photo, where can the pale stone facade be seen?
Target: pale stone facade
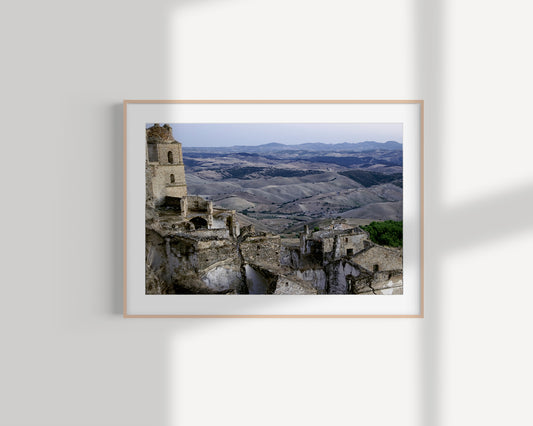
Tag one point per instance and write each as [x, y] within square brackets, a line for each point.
[378, 258]
[166, 171]
[333, 243]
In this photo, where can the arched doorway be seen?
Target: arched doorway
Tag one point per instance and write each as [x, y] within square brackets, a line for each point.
[199, 222]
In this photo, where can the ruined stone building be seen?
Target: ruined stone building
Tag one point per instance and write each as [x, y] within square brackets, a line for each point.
[166, 189]
[341, 259]
[190, 245]
[164, 165]
[194, 248]
[333, 243]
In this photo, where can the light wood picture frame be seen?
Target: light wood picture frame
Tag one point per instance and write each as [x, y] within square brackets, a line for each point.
[155, 182]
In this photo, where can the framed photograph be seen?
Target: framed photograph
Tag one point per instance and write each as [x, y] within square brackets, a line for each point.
[273, 208]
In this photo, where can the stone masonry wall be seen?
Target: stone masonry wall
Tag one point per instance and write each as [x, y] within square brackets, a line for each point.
[387, 259]
[197, 203]
[163, 150]
[161, 184]
[213, 251]
[341, 244]
[210, 233]
[292, 285]
[262, 250]
[352, 242]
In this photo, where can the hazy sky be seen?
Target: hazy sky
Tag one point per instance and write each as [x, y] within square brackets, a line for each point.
[228, 134]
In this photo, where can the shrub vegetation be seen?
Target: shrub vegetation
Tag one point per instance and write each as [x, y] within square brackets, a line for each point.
[368, 179]
[387, 233]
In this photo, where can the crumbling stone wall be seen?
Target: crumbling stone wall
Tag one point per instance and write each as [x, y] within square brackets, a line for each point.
[159, 134]
[213, 233]
[211, 262]
[377, 258]
[343, 277]
[333, 244]
[219, 222]
[157, 273]
[261, 249]
[292, 285]
[388, 283]
[212, 251]
[290, 256]
[205, 266]
[194, 206]
[199, 204]
[314, 277]
[148, 185]
[179, 264]
[226, 219]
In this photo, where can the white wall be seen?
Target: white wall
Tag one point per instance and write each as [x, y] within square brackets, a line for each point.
[68, 357]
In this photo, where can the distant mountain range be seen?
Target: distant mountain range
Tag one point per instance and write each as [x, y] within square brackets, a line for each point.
[276, 147]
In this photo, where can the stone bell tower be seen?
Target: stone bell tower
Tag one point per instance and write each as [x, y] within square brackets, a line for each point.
[165, 172]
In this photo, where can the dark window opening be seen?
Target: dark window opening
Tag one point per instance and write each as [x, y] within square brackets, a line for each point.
[350, 284]
[152, 153]
[349, 252]
[376, 268]
[172, 179]
[170, 157]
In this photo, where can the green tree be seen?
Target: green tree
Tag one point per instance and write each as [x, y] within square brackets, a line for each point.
[387, 233]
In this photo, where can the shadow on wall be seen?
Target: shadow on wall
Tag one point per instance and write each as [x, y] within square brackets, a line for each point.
[148, 347]
[450, 229]
[117, 194]
[162, 51]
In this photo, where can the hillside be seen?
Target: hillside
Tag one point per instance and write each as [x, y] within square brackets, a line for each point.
[280, 187]
[368, 179]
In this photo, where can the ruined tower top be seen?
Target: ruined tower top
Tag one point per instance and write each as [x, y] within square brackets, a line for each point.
[160, 134]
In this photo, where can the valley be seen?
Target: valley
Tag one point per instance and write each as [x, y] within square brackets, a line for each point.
[280, 188]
